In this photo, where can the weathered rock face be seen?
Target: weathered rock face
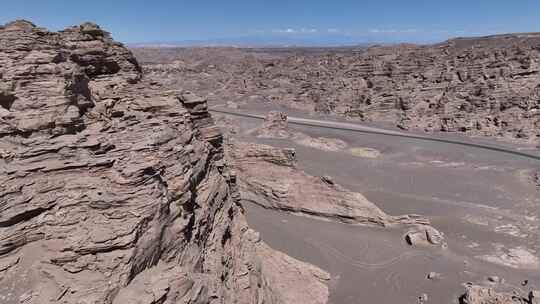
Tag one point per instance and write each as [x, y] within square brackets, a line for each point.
[113, 191]
[484, 86]
[268, 177]
[484, 295]
[478, 86]
[45, 77]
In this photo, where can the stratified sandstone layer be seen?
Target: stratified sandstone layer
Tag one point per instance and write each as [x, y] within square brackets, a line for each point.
[268, 177]
[114, 191]
[479, 86]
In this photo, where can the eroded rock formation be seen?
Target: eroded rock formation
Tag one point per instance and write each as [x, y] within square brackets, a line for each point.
[268, 177]
[479, 86]
[485, 295]
[115, 191]
[275, 126]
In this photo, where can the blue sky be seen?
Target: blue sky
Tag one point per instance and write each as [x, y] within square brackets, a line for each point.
[319, 21]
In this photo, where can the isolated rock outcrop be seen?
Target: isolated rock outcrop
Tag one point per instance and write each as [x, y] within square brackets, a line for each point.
[422, 235]
[268, 177]
[115, 191]
[276, 125]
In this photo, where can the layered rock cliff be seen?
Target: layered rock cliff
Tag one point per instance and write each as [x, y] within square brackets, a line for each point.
[115, 191]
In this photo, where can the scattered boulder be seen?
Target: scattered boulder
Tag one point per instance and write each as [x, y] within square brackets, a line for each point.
[434, 276]
[423, 298]
[424, 235]
[92, 29]
[495, 279]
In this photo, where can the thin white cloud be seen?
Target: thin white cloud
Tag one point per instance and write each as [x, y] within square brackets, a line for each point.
[303, 30]
[284, 31]
[333, 30]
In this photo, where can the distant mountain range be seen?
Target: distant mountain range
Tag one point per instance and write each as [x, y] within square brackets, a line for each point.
[321, 40]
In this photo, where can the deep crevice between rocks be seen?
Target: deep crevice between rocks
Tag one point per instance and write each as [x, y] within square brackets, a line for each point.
[24, 217]
[7, 100]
